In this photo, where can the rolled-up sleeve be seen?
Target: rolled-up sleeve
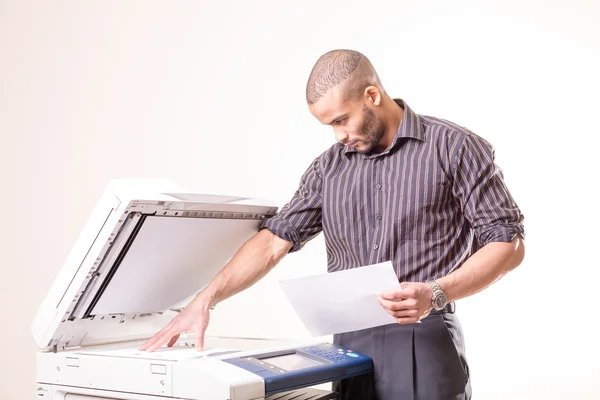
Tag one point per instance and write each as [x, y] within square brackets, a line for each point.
[299, 221]
[483, 196]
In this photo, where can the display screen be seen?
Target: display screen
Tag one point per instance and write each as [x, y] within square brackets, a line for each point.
[291, 362]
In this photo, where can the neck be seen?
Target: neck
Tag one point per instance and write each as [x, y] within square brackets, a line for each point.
[392, 116]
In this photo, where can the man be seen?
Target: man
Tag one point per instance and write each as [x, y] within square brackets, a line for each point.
[419, 191]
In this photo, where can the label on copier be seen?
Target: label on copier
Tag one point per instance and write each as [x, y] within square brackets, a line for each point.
[305, 366]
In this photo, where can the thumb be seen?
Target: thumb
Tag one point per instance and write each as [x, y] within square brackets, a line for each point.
[199, 335]
[388, 294]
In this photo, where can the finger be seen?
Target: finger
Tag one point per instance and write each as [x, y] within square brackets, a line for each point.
[199, 343]
[390, 295]
[149, 342]
[424, 315]
[412, 313]
[408, 312]
[401, 294]
[162, 339]
[407, 320]
[398, 305]
[153, 339]
[407, 292]
[158, 342]
[173, 340]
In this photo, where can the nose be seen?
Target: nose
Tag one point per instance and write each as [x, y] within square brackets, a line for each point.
[340, 136]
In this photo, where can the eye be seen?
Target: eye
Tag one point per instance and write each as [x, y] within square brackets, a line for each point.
[339, 121]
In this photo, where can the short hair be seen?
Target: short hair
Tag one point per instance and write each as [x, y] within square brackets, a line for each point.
[348, 67]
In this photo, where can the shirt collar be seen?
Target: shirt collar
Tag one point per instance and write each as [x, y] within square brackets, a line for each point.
[410, 127]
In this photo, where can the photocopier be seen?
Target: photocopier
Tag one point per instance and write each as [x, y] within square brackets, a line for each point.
[146, 250]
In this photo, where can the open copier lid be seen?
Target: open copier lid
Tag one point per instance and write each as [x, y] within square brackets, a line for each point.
[145, 252]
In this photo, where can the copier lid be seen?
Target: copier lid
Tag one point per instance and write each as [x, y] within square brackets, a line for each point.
[146, 250]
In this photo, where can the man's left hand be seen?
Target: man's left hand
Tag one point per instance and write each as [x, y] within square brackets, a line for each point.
[409, 304]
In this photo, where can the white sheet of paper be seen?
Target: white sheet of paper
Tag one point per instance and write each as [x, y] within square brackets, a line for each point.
[342, 301]
[175, 353]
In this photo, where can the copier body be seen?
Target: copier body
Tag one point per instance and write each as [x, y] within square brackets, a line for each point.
[147, 249]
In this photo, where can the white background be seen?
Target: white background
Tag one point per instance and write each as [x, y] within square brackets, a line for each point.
[211, 95]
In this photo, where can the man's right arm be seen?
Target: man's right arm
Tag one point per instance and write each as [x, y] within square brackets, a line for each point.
[252, 262]
[294, 225]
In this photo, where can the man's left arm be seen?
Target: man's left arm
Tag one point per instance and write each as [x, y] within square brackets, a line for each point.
[497, 223]
[482, 269]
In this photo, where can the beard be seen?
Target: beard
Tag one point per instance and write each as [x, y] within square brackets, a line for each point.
[372, 130]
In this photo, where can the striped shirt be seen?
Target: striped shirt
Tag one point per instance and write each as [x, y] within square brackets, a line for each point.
[426, 203]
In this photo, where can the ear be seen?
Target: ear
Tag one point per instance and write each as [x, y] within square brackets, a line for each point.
[372, 95]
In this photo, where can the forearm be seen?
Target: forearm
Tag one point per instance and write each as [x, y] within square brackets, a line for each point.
[252, 262]
[482, 269]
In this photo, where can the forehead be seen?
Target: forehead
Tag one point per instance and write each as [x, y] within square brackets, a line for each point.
[332, 105]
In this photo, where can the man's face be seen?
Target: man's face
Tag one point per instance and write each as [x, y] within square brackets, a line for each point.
[354, 123]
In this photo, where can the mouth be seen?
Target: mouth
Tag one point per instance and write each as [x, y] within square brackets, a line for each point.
[351, 144]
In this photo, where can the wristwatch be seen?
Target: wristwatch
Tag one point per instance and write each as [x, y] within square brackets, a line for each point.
[439, 299]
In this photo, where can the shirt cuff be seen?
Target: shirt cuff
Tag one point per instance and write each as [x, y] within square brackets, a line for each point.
[500, 233]
[284, 230]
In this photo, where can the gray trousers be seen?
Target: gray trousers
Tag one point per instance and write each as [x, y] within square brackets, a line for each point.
[412, 361]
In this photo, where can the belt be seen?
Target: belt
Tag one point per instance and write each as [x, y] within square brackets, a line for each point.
[450, 308]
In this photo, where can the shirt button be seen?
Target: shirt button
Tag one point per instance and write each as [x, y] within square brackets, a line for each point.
[375, 246]
[378, 186]
[378, 217]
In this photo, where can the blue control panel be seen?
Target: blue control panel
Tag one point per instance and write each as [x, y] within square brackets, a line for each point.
[304, 366]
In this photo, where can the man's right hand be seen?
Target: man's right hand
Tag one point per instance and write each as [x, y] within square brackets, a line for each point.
[194, 318]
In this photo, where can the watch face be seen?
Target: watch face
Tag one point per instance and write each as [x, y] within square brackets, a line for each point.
[439, 301]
